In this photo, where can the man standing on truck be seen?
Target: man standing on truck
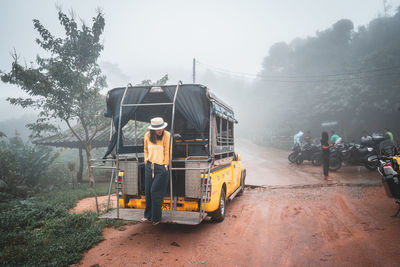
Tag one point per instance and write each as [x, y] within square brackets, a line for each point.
[156, 158]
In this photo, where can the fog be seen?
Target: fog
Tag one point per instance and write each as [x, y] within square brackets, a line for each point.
[230, 39]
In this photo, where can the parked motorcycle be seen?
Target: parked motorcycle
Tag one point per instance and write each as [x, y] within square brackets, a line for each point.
[335, 162]
[377, 139]
[357, 155]
[308, 152]
[388, 168]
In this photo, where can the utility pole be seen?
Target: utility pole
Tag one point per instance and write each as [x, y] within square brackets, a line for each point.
[194, 70]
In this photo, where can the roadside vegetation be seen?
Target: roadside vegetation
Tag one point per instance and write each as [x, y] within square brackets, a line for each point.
[36, 195]
[40, 231]
[26, 169]
[37, 183]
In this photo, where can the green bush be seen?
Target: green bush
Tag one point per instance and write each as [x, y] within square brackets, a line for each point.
[22, 167]
[39, 231]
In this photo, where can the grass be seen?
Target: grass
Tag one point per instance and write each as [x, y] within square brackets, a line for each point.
[39, 231]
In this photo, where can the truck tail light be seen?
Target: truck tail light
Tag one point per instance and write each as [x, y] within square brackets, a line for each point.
[119, 180]
[120, 177]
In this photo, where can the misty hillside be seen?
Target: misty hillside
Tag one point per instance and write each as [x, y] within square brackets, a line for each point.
[341, 74]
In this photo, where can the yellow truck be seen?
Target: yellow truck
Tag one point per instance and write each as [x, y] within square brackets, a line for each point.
[205, 170]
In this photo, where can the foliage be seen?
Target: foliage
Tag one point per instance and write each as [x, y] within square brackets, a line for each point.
[23, 166]
[161, 81]
[67, 84]
[40, 231]
[340, 74]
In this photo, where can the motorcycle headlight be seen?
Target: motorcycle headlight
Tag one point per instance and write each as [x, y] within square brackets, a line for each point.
[370, 149]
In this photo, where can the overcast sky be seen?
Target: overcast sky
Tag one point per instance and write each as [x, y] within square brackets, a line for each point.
[147, 39]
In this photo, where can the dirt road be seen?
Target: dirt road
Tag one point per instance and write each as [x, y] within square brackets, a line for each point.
[309, 224]
[271, 167]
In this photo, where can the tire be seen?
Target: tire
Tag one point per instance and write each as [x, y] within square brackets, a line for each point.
[335, 164]
[292, 157]
[219, 214]
[316, 160]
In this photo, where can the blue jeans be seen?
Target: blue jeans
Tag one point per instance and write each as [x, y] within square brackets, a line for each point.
[155, 188]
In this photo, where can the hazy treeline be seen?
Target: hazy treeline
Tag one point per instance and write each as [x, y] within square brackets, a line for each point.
[342, 74]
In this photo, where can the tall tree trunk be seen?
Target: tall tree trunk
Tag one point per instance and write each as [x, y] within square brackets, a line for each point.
[88, 149]
[79, 178]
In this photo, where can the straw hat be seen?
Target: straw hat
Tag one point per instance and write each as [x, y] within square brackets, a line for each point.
[157, 124]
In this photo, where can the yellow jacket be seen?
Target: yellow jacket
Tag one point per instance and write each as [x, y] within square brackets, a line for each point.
[157, 153]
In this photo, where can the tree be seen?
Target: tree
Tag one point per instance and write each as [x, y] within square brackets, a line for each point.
[162, 81]
[340, 74]
[66, 85]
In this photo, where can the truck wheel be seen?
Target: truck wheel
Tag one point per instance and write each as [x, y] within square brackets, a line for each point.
[219, 214]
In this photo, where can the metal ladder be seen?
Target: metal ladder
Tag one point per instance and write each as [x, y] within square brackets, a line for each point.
[204, 191]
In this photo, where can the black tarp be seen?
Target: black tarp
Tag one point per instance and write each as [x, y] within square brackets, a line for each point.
[192, 102]
[134, 95]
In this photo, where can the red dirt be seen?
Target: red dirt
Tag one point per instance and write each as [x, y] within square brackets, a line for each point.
[310, 224]
[331, 226]
[90, 204]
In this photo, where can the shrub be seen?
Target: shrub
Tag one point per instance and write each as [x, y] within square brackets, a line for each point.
[22, 166]
[39, 231]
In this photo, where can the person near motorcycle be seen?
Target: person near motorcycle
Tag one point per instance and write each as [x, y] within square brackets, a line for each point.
[297, 138]
[389, 135]
[325, 154]
[307, 138]
[334, 137]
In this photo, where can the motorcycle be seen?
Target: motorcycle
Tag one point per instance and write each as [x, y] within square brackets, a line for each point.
[388, 168]
[309, 152]
[357, 155]
[335, 162]
[377, 139]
